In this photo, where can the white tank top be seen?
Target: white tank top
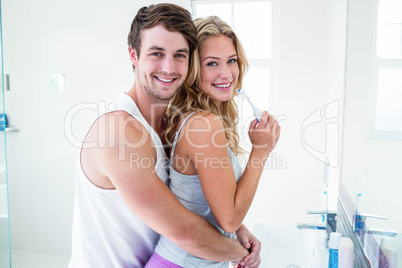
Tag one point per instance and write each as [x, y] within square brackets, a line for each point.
[105, 231]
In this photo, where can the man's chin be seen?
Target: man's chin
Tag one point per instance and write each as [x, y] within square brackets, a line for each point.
[164, 97]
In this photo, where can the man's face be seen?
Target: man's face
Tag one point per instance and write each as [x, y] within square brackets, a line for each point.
[163, 64]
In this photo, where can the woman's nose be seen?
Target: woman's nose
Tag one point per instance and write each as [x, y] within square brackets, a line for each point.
[225, 72]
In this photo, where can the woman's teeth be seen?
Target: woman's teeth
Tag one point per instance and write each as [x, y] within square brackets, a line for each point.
[222, 85]
[164, 80]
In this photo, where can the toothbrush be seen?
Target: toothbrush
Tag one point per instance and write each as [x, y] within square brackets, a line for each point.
[257, 112]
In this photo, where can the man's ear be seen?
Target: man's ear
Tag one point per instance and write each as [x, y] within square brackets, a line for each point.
[133, 56]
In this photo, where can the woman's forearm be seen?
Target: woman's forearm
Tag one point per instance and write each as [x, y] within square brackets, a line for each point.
[246, 188]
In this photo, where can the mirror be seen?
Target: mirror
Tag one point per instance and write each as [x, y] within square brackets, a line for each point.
[372, 141]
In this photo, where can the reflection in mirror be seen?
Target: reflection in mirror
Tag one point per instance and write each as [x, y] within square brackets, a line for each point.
[372, 142]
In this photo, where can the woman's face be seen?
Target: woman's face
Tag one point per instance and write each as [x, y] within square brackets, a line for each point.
[219, 68]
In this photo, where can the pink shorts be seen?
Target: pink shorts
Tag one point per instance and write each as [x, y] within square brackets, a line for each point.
[157, 261]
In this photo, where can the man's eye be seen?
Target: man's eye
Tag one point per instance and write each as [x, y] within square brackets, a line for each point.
[156, 54]
[181, 56]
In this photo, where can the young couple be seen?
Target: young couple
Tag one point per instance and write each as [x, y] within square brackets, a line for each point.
[123, 203]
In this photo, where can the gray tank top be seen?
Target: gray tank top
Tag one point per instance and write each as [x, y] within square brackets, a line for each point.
[188, 190]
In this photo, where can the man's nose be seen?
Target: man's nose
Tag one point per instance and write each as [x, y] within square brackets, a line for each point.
[169, 65]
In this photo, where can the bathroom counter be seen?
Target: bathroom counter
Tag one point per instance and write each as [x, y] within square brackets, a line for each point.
[283, 245]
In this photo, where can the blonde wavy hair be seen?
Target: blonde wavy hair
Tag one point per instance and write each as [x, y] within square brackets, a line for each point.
[191, 98]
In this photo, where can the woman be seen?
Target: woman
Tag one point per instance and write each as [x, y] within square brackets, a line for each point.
[204, 172]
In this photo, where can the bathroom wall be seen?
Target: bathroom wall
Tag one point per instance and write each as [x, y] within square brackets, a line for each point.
[86, 41]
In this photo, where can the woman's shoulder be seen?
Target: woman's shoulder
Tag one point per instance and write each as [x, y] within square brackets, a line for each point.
[199, 130]
[202, 120]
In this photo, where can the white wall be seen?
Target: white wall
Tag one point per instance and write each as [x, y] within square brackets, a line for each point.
[86, 41]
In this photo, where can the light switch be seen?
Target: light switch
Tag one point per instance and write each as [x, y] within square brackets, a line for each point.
[57, 82]
[7, 81]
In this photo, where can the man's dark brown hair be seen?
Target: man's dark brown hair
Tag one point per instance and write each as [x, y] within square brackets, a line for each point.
[172, 17]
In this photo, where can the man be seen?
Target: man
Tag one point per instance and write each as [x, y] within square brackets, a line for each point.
[122, 201]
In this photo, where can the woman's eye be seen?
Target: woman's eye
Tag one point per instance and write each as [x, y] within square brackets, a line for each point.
[212, 63]
[232, 60]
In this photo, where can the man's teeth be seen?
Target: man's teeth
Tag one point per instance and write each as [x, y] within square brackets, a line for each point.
[165, 80]
[222, 85]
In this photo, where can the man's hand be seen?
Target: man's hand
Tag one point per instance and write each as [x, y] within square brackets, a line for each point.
[252, 244]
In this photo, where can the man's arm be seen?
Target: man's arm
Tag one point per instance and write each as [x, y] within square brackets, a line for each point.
[152, 201]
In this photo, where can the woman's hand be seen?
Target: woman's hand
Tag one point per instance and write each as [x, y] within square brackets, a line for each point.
[264, 134]
[252, 244]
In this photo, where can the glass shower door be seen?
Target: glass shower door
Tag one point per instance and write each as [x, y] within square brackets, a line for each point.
[5, 253]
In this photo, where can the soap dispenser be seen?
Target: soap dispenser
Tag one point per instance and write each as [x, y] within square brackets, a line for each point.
[333, 245]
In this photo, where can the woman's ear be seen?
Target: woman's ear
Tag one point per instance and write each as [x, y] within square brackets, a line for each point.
[133, 56]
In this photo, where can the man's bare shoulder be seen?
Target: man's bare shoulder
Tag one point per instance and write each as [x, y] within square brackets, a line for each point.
[116, 128]
[111, 143]
[121, 121]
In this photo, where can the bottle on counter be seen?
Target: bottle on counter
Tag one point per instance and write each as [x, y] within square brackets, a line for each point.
[346, 253]
[333, 245]
[388, 254]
